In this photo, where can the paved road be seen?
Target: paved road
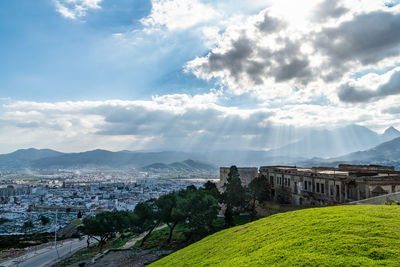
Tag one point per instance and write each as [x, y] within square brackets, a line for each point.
[46, 256]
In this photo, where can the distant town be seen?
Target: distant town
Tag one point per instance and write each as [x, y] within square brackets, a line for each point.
[26, 198]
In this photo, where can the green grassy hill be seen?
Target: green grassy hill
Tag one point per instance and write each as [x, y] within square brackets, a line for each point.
[341, 235]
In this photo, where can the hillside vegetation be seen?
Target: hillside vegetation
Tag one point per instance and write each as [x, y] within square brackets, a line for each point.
[341, 235]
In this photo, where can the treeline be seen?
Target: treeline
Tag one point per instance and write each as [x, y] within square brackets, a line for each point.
[196, 208]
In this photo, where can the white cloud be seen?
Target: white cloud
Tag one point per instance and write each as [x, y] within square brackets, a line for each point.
[73, 9]
[177, 122]
[178, 14]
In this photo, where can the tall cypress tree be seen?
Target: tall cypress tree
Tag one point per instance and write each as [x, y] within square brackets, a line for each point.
[234, 196]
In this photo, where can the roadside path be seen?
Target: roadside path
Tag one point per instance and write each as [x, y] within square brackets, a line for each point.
[132, 242]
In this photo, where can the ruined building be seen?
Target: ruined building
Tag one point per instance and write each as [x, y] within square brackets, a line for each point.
[320, 185]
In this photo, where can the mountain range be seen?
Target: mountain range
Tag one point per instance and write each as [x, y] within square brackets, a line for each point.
[334, 143]
[319, 147]
[387, 153]
[46, 159]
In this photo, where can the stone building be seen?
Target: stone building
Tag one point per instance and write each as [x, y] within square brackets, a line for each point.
[246, 175]
[325, 186]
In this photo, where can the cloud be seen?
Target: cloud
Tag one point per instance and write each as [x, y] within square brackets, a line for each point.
[178, 14]
[166, 122]
[392, 110]
[327, 10]
[367, 39]
[178, 122]
[309, 51]
[256, 56]
[353, 93]
[73, 9]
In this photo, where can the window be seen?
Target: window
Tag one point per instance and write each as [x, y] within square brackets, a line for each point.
[322, 188]
[305, 185]
[317, 190]
[288, 181]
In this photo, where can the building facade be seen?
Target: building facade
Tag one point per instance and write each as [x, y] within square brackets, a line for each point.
[320, 186]
[247, 174]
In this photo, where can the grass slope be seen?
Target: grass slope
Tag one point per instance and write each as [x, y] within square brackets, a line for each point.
[341, 235]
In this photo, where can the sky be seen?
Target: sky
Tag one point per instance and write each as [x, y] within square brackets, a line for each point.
[184, 75]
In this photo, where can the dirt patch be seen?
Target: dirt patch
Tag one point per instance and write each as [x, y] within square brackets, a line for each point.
[130, 257]
[242, 229]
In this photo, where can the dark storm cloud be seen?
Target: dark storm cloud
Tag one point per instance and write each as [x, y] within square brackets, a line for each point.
[351, 94]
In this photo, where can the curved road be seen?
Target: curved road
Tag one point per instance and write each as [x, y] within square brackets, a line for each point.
[46, 256]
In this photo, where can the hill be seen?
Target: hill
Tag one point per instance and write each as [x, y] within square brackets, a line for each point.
[341, 235]
[184, 166]
[97, 158]
[22, 158]
[48, 159]
[387, 153]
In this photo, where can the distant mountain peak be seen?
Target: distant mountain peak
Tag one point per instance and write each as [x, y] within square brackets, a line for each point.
[391, 133]
[391, 129]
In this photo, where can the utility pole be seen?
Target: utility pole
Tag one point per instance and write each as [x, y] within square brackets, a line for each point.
[55, 236]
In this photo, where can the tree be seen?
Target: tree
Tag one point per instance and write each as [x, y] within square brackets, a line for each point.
[121, 220]
[234, 195]
[198, 209]
[44, 219]
[258, 190]
[169, 212]
[202, 210]
[145, 218]
[211, 188]
[27, 224]
[105, 225]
